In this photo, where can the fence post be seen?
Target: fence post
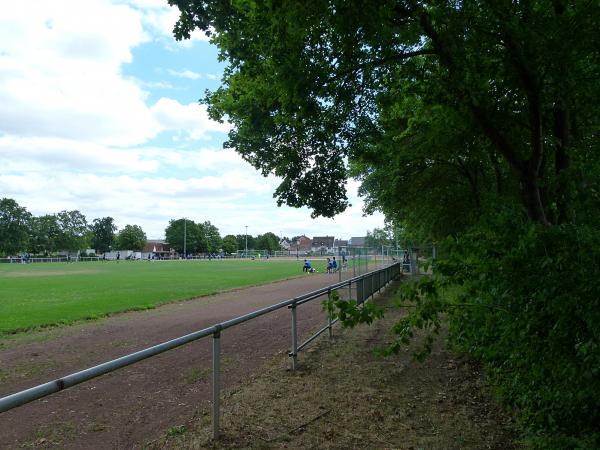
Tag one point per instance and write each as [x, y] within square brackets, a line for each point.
[216, 387]
[329, 315]
[294, 338]
[372, 285]
[349, 290]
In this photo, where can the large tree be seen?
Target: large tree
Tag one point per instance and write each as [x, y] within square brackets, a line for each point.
[244, 239]
[131, 237]
[103, 234]
[230, 244]
[14, 227]
[74, 230]
[186, 230]
[268, 241]
[377, 238]
[44, 235]
[307, 83]
[212, 237]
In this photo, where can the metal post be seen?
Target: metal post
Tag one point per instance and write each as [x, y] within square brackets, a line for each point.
[329, 320]
[246, 254]
[434, 252]
[413, 262]
[353, 265]
[371, 285]
[350, 290]
[294, 338]
[216, 387]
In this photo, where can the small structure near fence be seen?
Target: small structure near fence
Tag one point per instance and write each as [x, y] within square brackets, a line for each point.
[359, 288]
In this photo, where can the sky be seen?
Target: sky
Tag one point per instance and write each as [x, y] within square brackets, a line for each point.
[99, 113]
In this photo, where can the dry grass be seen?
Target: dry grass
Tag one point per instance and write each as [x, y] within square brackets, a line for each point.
[345, 397]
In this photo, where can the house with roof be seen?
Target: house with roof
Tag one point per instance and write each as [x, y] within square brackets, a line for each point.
[158, 248]
[302, 244]
[285, 244]
[340, 246]
[323, 244]
[356, 242]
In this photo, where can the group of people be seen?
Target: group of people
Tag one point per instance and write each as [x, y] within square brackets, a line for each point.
[331, 267]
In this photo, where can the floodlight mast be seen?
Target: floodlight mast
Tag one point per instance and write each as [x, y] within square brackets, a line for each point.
[246, 254]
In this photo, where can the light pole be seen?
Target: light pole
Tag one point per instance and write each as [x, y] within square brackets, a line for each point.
[246, 241]
[184, 238]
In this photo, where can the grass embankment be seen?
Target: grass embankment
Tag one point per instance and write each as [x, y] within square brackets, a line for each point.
[345, 397]
[45, 294]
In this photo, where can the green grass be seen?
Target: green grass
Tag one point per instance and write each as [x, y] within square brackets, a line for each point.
[46, 294]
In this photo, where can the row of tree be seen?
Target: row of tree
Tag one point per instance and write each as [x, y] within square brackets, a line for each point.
[187, 236]
[21, 231]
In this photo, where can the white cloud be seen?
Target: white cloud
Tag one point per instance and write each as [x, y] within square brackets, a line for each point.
[185, 74]
[191, 118]
[60, 72]
[191, 75]
[161, 18]
[50, 154]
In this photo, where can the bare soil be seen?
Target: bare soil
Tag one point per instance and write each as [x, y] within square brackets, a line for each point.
[342, 396]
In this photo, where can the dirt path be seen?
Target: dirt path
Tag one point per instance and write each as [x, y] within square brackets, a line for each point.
[133, 405]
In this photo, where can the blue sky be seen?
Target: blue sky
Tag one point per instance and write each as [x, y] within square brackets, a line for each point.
[99, 112]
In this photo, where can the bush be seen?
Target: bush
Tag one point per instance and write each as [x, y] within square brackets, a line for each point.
[527, 306]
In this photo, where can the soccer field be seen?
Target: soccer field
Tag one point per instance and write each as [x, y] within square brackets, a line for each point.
[35, 295]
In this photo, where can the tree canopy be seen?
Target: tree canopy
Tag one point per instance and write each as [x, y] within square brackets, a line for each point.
[103, 234]
[14, 227]
[131, 237]
[311, 85]
[73, 235]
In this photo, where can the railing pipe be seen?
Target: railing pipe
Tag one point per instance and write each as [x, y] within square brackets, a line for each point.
[216, 384]
[294, 353]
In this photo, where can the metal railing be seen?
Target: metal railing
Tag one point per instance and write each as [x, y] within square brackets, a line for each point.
[365, 285]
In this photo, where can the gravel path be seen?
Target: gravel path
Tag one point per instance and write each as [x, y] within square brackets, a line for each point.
[126, 408]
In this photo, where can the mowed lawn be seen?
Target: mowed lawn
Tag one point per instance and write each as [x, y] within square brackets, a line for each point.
[43, 294]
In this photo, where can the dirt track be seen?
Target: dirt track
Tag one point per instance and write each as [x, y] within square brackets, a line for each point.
[126, 408]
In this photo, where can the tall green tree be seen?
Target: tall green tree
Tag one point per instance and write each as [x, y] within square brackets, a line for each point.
[14, 227]
[377, 238]
[74, 229]
[193, 233]
[243, 238]
[307, 82]
[268, 241]
[103, 234]
[44, 235]
[212, 237]
[230, 244]
[131, 237]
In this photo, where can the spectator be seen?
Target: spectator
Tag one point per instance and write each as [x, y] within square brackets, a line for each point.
[334, 265]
